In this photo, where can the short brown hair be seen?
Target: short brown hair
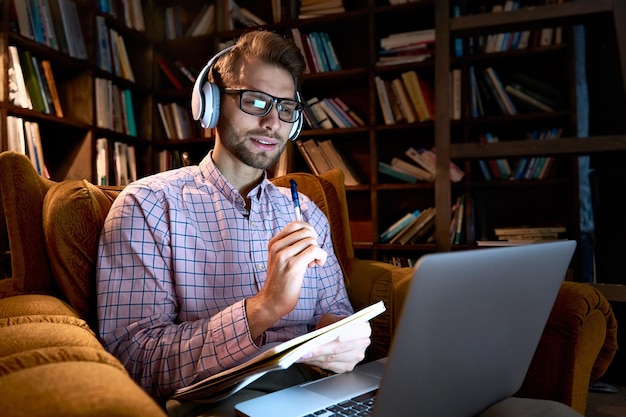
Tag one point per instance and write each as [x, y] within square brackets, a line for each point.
[266, 46]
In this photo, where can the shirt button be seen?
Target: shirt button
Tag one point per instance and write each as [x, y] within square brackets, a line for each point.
[260, 267]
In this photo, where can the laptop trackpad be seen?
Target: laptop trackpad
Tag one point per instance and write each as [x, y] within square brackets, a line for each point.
[344, 385]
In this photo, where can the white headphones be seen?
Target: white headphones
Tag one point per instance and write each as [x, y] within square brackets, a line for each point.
[205, 99]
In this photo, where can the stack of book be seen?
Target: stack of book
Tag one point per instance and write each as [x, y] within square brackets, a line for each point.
[322, 156]
[532, 94]
[330, 112]
[176, 120]
[115, 109]
[413, 228]
[31, 83]
[112, 55]
[55, 24]
[532, 168]
[406, 99]
[520, 235]
[24, 137]
[177, 25]
[318, 51]
[406, 47]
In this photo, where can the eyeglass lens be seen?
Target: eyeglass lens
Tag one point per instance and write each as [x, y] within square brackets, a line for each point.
[260, 104]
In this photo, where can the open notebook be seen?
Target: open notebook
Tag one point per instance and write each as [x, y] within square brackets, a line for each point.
[469, 329]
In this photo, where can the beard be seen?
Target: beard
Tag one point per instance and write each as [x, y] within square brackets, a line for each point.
[236, 144]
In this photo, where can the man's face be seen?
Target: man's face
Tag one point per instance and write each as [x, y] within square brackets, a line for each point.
[256, 141]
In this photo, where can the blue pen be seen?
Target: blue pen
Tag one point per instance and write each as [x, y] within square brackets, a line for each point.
[296, 200]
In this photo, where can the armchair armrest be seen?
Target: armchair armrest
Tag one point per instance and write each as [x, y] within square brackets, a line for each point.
[371, 281]
[576, 348]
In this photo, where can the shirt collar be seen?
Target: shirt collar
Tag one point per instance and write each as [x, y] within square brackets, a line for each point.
[212, 174]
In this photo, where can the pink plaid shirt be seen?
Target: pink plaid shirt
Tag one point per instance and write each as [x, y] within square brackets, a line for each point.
[179, 253]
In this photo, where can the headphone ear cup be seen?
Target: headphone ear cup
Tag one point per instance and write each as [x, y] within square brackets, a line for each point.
[297, 126]
[211, 113]
[205, 96]
[295, 129]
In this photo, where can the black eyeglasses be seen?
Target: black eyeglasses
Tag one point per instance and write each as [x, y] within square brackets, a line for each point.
[257, 103]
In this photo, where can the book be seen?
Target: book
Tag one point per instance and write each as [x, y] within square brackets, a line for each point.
[169, 73]
[15, 135]
[54, 94]
[336, 160]
[130, 112]
[102, 161]
[455, 94]
[24, 23]
[503, 164]
[274, 357]
[341, 120]
[394, 172]
[414, 227]
[394, 102]
[459, 220]
[383, 101]
[419, 95]
[32, 82]
[204, 23]
[395, 40]
[120, 160]
[329, 51]
[103, 56]
[501, 93]
[297, 39]
[424, 231]
[18, 93]
[168, 123]
[518, 230]
[419, 157]
[396, 227]
[345, 108]
[73, 29]
[313, 156]
[517, 93]
[318, 111]
[406, 107]
[411, 169]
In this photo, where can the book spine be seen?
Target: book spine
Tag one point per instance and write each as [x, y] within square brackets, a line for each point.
[320, 115]
[387, 169]
[508, 104]
[383, 100]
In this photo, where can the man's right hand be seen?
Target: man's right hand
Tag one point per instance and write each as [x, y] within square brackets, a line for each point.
[290, 253]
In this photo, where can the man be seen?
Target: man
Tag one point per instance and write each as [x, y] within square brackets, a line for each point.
[199, 267]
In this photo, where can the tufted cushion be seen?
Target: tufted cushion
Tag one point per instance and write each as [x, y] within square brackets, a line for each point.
[73, 216]
[34, 304]
[75, 388]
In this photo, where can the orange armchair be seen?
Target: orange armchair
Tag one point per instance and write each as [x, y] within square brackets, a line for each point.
[53, 230]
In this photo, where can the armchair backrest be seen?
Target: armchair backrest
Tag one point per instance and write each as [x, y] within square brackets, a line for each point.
[53, 227]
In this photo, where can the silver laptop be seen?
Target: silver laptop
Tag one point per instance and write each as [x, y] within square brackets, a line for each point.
[469, 329]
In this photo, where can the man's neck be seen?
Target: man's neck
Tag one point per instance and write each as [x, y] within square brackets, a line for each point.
[241, 176]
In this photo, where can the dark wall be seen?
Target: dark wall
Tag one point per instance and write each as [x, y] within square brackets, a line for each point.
[607, 114]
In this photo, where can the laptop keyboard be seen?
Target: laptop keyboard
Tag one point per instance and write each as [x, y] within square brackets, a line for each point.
[361, 406]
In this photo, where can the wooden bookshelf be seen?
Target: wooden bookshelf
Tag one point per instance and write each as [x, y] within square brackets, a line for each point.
[68, 142]
[379, 200]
